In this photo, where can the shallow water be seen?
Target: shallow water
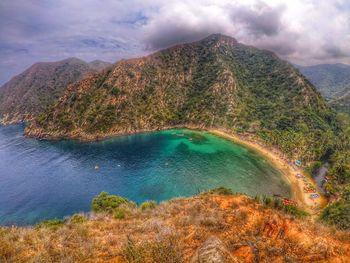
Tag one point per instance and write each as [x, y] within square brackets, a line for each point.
[52, 179]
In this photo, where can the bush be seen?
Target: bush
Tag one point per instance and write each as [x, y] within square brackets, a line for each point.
[148, 205]
[294, 211]
[116, 91]
[53, 224]
[276, 203]
[257, 199]
[121, 213]
[221, 191]
[338, 213]
[314, 167]
[77, 219]
[107, 203]
[267, 200]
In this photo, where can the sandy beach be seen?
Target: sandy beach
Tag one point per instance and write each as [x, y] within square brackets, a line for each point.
[312, 206]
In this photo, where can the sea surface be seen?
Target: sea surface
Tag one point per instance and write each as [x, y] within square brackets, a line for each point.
[53, 179]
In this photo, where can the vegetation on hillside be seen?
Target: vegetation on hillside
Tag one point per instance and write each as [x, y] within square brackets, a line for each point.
[215, 82]
[32, 92]
[178, 230]
[338, 212]
[333, 81]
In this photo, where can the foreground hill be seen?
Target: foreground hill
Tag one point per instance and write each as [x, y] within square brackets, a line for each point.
[204, 228]
[34, 90]
[333, 81]
[215, 82]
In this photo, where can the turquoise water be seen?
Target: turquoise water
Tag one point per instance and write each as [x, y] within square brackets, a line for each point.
[53, 179]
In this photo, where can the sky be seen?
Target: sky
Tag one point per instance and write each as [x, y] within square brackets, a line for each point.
[304, 32]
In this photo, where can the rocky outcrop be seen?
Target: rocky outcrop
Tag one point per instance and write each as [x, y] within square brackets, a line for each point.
[213, 251]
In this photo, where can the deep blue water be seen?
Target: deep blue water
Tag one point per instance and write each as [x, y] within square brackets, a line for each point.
[52, 179]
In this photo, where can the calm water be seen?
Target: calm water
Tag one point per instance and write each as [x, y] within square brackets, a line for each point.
[53, 179]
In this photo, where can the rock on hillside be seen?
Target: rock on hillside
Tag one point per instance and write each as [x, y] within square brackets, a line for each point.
[33, 91]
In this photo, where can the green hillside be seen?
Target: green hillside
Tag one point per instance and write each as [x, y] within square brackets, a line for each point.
[215, 82]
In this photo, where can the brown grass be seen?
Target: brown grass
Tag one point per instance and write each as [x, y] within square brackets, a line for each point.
[172, 232]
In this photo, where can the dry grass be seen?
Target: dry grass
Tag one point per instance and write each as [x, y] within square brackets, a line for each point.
[172, 232]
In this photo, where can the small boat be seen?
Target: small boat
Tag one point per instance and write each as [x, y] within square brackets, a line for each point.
[97, 167]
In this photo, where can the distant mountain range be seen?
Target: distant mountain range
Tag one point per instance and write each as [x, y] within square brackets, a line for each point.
[333, 81]
[33, 91]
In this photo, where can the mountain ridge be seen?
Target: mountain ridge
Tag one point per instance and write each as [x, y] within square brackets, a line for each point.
[214, 82]
[34, 90]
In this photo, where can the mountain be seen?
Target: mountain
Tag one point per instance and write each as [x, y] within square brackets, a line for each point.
[99, 64]
[333, 81]
[221, 228]
[342, 103]
[33, 91]
[216, 82]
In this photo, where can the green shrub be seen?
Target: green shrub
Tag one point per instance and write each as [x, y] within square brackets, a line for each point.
[77, 219]
[115, 91]
[107, 203]
[148, 205]
[294, 211]
[338, 213]
[314, 167]
[267, 200]
[277, 203]
[221, 191]
[53, 224]
[257, 198]
[121, 212]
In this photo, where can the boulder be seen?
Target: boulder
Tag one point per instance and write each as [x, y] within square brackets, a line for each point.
[213, 250]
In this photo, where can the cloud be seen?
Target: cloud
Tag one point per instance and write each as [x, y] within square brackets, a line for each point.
[335, 51]
[259, 20]
[301, 31]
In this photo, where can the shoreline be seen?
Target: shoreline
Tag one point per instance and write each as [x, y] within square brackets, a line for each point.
[311, 206]
[272, 154]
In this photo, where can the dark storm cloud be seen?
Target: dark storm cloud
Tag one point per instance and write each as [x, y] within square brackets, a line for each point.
[335, 51]
[172, 34]
[260, 20]
[166, 28]
[283, 48]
